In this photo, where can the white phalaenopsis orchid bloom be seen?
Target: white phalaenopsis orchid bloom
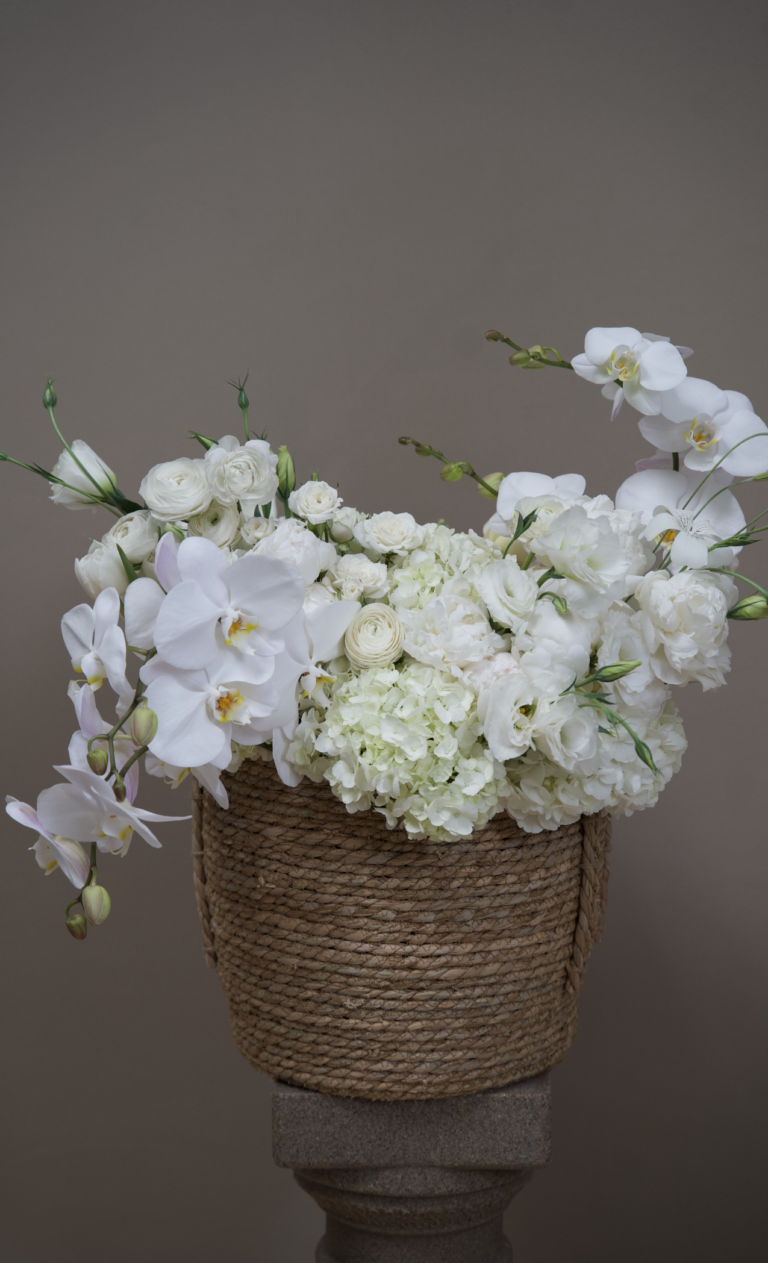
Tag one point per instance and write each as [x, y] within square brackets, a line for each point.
[318, 638]
[708, 424]
[653, 491]
[245, 605]
[51, 850]
[631, 365]
[80, 492]
[96, 643]
[91, 725]
[688, 537]
[209, 775]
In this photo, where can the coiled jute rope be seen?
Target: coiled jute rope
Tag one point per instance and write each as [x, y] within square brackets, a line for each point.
[360, 963]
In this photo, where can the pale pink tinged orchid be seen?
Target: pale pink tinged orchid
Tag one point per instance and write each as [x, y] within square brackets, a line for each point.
[631, 365]
[244, 605]
[96, 643]
[51, 850]
[711, 427]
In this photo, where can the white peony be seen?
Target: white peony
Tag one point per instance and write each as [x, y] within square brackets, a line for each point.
[176, 489]
[509, 592]
[481, 675]
[101, 568]
[316, 502]
[220, 523]
[137, 534]
[291, 541]
[374, 638]
[241, 474]
[684, 625]
[397, 533]
[369, 576]
[450, 632]
[68, 469]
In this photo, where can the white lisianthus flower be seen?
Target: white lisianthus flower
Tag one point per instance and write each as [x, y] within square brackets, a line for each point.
[644, 365]
[450, 632]
[176, 489]
[253, 529]
[318, 594]
[590, 557]
[95, 641]
[374, 638]
[370, 576]
[220, 523]
[68, 469]
[343, 524]
[684, 625]
[515, 705]
[565, 639]
[101, 568]
[567, 734]
[397, 533]
[621, 640]
[706, 424]
[292, 542]
[509, 592]
[137, 534]
[316, 502]
[244, 474]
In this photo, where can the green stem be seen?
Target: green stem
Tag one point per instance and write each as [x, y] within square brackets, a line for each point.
[735, 575]
[130, 762]
[83, 469]
[245, 423]
[676, 460]
[527, 561]
[715, 467]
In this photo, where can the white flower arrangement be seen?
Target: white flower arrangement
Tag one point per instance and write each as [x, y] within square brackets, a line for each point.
[433, 676]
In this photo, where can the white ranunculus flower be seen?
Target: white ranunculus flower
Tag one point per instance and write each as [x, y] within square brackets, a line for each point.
[318, 594]
[371, 576]
[374, 638]
[622, 640]
[588, 553]
[69, 471]
[220, 523]
[316, 502]
[397, 533]
[176, 489]
[137, 534]
[684, 625]
[291, 541]
[101, 568]
[450, 631]
[509, 592]
[241, 474]
[343, 524]
[632, 365]
[253, 528]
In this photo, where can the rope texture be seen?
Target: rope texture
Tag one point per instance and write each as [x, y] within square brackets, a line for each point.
[358, 962]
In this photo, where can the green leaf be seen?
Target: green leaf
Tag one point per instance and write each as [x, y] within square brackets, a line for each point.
[127, 566]
[203, 439]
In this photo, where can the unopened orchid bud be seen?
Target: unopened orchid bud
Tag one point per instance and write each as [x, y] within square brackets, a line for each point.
[451, 472]
[615, 671]
[493, 335]
[49, 395]
[493, 480]
[143, 726]
[119, 789]
[286, 473]
[77, 926]
[520, 359]
[98, 761]
[750, 607]
[96, 904]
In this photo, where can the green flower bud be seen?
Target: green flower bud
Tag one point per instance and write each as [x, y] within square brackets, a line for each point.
[119, 789]
[242, 398]
[750, 607]
[77, 926]
[606, 675]
[96, 904]
[49, 395]
[560, 604]
[143, 726]
[98, 761]
[520, 359]
[451, 472]
[493, 480]
[285, 472]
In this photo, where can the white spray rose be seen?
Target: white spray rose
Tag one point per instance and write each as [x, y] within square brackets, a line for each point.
[69, 471]
[316, 502]
[245, 474]
[101, 568]
[374, 638]
[176, 489]
[137, 534]
[684, 625]
[220, 524]
[509, 592]
[253, 528]
[343, 524]
[451, 631]
[291, 541]
[350, 590]
[397, 533]
[370, 576]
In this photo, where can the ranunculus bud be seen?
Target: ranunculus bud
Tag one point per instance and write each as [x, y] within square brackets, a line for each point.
[750, 607]
[285, 471]
[119, 789]
[493, 480]
[49, 395]
[451, 472]
[77, 926]
[96, 904]
[98, 761]
[143, 726]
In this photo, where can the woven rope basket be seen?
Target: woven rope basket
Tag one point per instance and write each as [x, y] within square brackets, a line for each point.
[358, 962]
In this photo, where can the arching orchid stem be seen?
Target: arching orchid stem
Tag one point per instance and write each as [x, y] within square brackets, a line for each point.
[710, 472]
[735, 575]
[457, 468]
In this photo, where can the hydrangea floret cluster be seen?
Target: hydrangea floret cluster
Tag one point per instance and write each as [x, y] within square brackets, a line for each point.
[434, 676]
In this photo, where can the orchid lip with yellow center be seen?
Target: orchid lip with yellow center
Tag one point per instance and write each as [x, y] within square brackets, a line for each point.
[703, 433]
[237, 629]
[230, 707]
[623, 363]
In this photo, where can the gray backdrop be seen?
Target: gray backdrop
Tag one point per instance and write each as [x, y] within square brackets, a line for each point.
[342, 197]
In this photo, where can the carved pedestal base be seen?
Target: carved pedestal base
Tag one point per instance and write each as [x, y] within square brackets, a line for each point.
[413, 1181]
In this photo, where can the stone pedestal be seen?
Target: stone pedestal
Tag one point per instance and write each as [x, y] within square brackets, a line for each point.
[413, 1181]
